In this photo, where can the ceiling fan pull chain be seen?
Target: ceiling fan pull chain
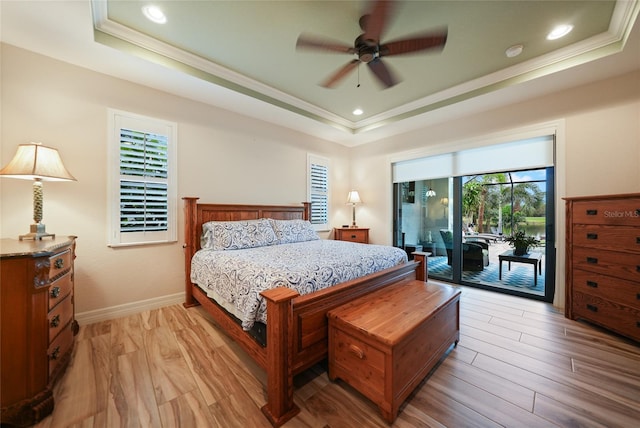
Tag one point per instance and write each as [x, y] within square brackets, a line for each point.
[358, 76]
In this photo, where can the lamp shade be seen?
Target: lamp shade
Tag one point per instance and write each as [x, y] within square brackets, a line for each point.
[354, 197]
[37, 162]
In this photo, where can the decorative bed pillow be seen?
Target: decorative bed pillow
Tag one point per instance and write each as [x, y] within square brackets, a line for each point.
[236, 235]
[290, 231]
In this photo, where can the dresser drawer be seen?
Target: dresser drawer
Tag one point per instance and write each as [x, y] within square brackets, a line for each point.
[612, 263]
[607, 287]
[359, 364]
[59, 317]
[59, 349]
[353, 235]
[59, 263]
[616, 238]
[60, 289]
[614, 211]
[619, 318]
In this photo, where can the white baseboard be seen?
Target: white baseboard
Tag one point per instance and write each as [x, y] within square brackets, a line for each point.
[127, 309]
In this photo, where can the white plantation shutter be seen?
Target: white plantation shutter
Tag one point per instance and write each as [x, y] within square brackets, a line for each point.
[143, 183]
[318, 191]
[144, 199]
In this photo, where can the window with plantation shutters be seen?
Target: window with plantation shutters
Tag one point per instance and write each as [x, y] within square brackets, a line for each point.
[318, 191]
[143, 180]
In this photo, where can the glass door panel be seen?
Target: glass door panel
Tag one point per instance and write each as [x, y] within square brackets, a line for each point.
[494, 207]
[424, 222]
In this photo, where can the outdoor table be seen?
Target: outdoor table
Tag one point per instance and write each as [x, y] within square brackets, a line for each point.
[534, 259]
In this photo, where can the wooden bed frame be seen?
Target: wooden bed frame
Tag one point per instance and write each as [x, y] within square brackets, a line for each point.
[297, 327]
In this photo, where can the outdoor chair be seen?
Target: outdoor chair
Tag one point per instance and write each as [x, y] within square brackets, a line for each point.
[475, 255]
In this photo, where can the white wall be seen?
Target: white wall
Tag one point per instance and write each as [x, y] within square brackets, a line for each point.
[222, 157]
[599, 149]
[225, 157]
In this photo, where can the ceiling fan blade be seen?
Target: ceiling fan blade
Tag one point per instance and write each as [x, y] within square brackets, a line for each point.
[374, 23]
[312, 42]
[382, 72]
[433, 40]
[340, 74]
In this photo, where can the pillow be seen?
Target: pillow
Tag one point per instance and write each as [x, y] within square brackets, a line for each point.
[237, 235]
[290, 231]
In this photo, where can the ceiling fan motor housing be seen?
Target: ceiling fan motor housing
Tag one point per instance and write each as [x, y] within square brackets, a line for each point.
[366, 51]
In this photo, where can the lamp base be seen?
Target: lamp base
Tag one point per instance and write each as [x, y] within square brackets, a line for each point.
[37, 232]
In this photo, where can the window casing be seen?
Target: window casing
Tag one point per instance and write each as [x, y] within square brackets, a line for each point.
[318, 191]
[142, 180]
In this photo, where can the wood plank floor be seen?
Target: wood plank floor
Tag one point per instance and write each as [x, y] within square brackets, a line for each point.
[519, 363]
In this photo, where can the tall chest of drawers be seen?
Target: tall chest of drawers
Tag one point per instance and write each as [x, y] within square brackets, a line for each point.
[37, 324]
[603, 262]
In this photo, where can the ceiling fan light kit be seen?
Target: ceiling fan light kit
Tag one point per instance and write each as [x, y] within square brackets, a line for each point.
[368, 48]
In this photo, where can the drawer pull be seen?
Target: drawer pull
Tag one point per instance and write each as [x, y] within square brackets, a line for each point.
[356, 351]
[55, 353]
[592, 308]
[592, 260]
[55, 321]
[353, 236]
[592, 212]
[592, 284]
[55, 292]
[638, 296]
[637, 239]
[59, 263]
[592, 236]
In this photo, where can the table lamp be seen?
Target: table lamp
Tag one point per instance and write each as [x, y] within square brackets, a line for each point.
[39, 163]
[354, 198]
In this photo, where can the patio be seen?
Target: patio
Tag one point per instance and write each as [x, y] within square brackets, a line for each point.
[519, 278]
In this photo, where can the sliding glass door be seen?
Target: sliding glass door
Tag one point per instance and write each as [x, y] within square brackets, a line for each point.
[465, 223]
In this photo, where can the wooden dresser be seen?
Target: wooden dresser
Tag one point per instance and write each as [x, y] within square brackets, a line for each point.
[603, 262]
[37, 324]
[352, 234]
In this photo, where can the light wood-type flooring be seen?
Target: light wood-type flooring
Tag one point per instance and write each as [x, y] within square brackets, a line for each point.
[519, 363]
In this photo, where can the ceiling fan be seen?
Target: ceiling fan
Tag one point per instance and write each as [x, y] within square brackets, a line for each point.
[368, 48]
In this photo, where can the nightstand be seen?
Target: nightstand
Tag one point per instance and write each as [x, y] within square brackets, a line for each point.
[352, 234]
[38, 324]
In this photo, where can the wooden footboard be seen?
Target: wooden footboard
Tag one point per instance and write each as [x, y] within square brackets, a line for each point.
[297, 327]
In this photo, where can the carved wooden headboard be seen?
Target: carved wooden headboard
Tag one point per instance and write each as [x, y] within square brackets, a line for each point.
[195, 215]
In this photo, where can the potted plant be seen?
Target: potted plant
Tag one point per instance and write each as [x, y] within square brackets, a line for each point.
[521, 242]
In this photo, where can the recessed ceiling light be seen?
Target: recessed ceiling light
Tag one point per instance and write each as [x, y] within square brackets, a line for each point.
[154, 14]
[358, 112]
[559, 31]
[514, 50]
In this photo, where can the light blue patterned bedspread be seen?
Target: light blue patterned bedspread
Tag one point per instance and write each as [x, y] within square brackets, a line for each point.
[235, 278]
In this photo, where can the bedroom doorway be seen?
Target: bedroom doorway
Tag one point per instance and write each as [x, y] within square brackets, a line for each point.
[465, 222]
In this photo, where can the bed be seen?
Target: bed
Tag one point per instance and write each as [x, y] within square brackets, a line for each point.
[296, 331]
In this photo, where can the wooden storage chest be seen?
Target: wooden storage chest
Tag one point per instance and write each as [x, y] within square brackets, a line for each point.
[385, 343]
[603, 262]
